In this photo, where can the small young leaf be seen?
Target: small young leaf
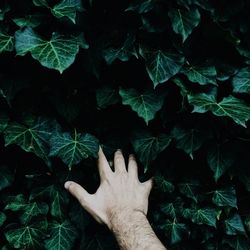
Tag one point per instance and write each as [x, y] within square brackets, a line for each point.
[184, 21]
[73, 149]
[163, 184]
[147, 146]
[230, 106]
[189, 189]
[234, 225]
[62, 236]
[144, 104]
[161, 65]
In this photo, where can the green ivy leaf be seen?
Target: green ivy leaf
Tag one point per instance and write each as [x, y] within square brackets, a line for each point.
[190, 189]
[225, 197]
[201, 216]
[163, 184]
[32, 136]
[57, 197]
[147, 146]
[184, 21]
[67, 8]
[202, 75]
[234, 225]
[57, 53]
[169, 210]
[41, 3]
[230, 106]
[3, 10]
[161, 65]
[6, 177]
[4, 120]
[106, 96]
[241, 81]
[123, 53]
[28, 21]
[73, 149]
[26, 236]
[62, 236]
[189, 140]
[238, 243]
[174, 230]
[141, 6]
[2, 218]
[247, 223]
[6, 42]
[16, 203]
[145, 104]
[219, 159]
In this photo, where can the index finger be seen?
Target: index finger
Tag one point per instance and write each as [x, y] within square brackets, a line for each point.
[103, 165]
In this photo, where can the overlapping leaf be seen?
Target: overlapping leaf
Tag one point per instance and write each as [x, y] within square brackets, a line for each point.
[6, 42]
[73, 149]
[225, 197]
[241, 81]
[230, 106]
[234, 225]
[57, 53]
[184, 21]
[144, 104]
[161, 65]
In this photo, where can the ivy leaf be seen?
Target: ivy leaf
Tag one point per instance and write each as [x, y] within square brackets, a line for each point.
[189, 189]
[2, 218]
[6, 42]
[219, 159]
[163, 184]
[201, 215]
[62, 236]
[230, 106]
[238, 242]
[234, 225]
[141, 6]
[73, 149]
[3, 10]
[189, 140]
[145, 104]
[57, 53]
[174, 230]
[32, 136]
[123, 53]
[184, 21]
[4, 120]
[16, 203]
[161, 65]
[247, 223]
[67, 8]
[41, 3]
[169, 210]
[225, 197]
[147, 146]
[241, 81]
[28, 21]
[106, 96]
[6, 177]
[57, 197]
[201, 74]
[26, 236]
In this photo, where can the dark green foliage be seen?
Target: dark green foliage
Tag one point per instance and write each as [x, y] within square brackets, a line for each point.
[166, 80]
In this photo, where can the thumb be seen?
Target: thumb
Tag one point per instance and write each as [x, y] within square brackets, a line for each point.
[78, 192]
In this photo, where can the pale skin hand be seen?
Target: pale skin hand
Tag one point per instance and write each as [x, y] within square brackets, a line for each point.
[120, 202]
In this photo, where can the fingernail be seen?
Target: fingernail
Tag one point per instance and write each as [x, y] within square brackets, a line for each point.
[119, 150]
[67, 184]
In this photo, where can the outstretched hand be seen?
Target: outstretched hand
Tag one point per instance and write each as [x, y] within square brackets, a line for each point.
[119, 191]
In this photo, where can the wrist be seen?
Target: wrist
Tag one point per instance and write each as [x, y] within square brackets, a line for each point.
[124, 218]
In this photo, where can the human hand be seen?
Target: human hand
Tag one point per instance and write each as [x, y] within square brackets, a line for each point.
[119, 191]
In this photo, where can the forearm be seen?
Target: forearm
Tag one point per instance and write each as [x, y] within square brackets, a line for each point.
[133, 231]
